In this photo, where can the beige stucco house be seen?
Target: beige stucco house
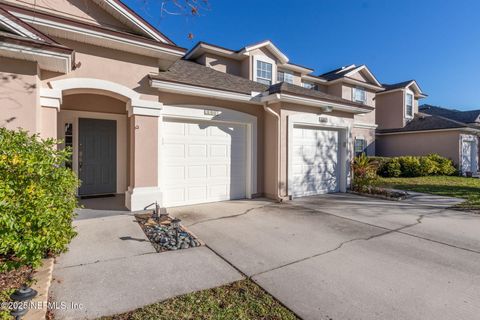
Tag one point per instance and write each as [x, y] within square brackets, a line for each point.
[406, 129]
[149, 120]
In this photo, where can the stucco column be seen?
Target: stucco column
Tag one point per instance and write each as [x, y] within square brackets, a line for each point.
[50, 101]
[143, 188]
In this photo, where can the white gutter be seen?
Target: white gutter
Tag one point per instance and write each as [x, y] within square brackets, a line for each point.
[187, 89]
[282, 97]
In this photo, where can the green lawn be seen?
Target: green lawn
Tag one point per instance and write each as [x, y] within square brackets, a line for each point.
[459, 187]
[240, 300]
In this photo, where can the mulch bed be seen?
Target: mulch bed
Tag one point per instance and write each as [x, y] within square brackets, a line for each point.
[382, 193]
[162, 234]
[16, 278]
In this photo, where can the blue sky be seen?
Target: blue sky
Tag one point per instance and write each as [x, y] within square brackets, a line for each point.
[436, 42]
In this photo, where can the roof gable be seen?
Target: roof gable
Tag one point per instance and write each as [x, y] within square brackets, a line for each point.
[360, 73]
[268, 45]
[13, 25]
[110, 14]
[409, 84]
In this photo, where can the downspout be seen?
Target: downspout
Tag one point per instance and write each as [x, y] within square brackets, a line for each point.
[278, 196]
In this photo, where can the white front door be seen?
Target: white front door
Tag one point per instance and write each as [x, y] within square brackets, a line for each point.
[468, 156]
[314, 161]
[202, 161]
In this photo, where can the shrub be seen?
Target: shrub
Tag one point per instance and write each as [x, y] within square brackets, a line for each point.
[364, 173]
[391, 168]
[427, 167]
[443, 165]
[410, 166]
[37, 199]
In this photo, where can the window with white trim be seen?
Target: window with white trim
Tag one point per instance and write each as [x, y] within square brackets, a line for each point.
[285, 76]
[309, 85]
[409, 105]
[264, 72]
[359, 95]
[360, 146]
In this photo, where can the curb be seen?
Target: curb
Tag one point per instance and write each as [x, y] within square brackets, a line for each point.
[43, 279]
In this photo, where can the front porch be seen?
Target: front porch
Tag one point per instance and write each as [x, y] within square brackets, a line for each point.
[113, 133]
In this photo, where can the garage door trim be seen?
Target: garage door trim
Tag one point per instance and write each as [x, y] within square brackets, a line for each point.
[222, 116]
[326, 122]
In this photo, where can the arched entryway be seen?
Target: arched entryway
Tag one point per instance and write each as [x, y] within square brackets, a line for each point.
[107, 126]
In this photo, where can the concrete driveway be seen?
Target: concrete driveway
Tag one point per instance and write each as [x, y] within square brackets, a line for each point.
[349, 257]
[112, 268]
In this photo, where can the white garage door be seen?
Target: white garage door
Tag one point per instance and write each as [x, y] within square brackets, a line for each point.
[314, 161]
[202, 162]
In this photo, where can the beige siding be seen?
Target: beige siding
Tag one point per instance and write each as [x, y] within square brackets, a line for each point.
[221, 64]
[390, 110]
[444, 143]
[367, 134]
[19, 95]
[128, 69]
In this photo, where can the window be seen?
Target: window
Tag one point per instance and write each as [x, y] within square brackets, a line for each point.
[409, 105]
[360, 146]
[359, 95]
[285, 76]
[264, 72]
[309, 85]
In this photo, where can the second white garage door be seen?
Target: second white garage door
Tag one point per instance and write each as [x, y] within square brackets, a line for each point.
[314, 161]
[202, 162]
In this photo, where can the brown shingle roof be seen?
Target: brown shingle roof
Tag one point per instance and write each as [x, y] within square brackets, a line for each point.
[188, 72]
[425, 122]
[192, 73]
[284, 87]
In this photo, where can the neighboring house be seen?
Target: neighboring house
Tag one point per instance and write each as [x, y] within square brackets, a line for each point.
[149, 120]
[263, 62]
[406, 129]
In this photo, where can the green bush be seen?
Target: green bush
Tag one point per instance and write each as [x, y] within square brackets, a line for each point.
[410, 166]
[37, 199]
[391, 168]
[443, 165]
[427, 167]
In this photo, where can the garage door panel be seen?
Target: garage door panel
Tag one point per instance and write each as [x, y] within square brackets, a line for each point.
[314, 161]
[203, 162]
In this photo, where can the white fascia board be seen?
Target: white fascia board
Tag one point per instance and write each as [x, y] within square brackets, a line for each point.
[96, 34]
[48, 59]
[357, 83]
[313, 79]
[134, 20]
[186, 89]
[206, 48]
[18, 29]
[364, 125]
[364, 68]
[282, 57]
[427, 131]
[282, 97]
[292, 67]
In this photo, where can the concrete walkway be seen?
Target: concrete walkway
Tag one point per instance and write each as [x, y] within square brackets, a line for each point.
[350, 257]
[112, 268]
